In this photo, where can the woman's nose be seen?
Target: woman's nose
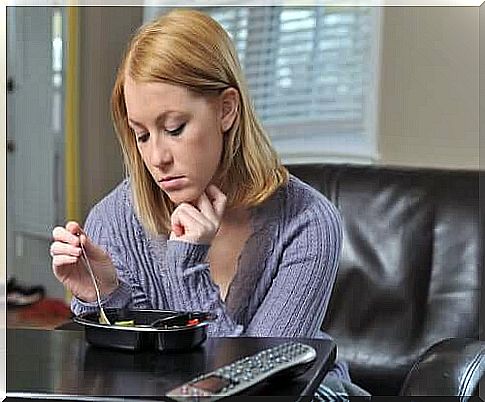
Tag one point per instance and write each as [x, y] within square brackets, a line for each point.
[160, 153]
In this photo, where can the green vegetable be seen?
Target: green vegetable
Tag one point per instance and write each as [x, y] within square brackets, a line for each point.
[129, 323]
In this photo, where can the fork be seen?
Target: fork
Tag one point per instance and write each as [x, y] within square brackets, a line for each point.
[103, 319]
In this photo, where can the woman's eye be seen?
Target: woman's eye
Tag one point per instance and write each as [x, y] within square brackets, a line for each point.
[142, 137]
[176, 131]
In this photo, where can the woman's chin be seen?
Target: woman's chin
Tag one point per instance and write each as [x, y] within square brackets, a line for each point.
[179, 197]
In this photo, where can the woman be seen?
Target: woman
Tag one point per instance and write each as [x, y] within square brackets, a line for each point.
[208, 218]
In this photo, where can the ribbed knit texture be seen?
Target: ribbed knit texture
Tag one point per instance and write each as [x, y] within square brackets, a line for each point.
[283, 281]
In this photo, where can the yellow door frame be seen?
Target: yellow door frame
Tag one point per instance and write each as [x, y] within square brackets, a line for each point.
[71, 118]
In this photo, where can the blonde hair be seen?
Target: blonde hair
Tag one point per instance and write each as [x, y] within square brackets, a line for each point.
[188, 48]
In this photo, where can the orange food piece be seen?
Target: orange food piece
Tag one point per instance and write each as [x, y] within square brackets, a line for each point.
[193, 321]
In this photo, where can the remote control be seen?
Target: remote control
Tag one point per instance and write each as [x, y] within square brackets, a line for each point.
[246, 372]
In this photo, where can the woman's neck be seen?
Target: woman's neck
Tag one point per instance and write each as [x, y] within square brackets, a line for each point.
[235, 217]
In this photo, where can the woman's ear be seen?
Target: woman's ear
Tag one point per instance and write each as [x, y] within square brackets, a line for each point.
[229, 108]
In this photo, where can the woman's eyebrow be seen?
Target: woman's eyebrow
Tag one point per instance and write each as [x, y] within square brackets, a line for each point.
[134, 123]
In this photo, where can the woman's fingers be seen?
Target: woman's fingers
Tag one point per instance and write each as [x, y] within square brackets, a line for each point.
[74, 235]
[197, 215]
[201, 222]
[191, 225]
[67, 240]
[207, 209]
[218, 200]
[182, 220]
[67, 236]
[59, 248]
[75, 228]
[65, 249]
[69, 268]
[178, 229]
[61, 260]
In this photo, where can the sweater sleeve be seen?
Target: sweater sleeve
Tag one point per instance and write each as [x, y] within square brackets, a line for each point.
[99, 232]
[296, 302]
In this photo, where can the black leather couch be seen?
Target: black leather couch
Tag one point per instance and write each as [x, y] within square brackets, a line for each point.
[405, 308]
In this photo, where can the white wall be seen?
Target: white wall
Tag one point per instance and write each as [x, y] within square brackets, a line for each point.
[429, 87]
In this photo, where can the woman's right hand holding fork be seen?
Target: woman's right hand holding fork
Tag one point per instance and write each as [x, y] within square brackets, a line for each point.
[69, 268]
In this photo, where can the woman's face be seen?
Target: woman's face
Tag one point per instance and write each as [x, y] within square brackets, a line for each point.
[179, 136]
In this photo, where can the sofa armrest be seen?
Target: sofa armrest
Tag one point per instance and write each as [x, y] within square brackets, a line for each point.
[452, 367]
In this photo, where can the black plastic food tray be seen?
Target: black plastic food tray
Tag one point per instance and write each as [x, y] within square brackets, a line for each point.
[144, 338]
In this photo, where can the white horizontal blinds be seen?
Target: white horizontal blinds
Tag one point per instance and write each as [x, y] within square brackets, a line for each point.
[316, 70]
[235, 21]
[309, 69]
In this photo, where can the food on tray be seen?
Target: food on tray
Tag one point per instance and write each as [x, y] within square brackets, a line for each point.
[193, 321]
[127, 323]
[175, 321]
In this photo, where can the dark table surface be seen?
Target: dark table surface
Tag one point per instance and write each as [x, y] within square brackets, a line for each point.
[60, 364]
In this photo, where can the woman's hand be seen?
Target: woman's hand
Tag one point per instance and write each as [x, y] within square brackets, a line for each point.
[199, 223]
[69, 268]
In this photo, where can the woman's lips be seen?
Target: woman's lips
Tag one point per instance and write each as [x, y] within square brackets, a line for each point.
[173, 183]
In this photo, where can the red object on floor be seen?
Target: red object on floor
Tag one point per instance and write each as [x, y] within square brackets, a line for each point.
[46, 310]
